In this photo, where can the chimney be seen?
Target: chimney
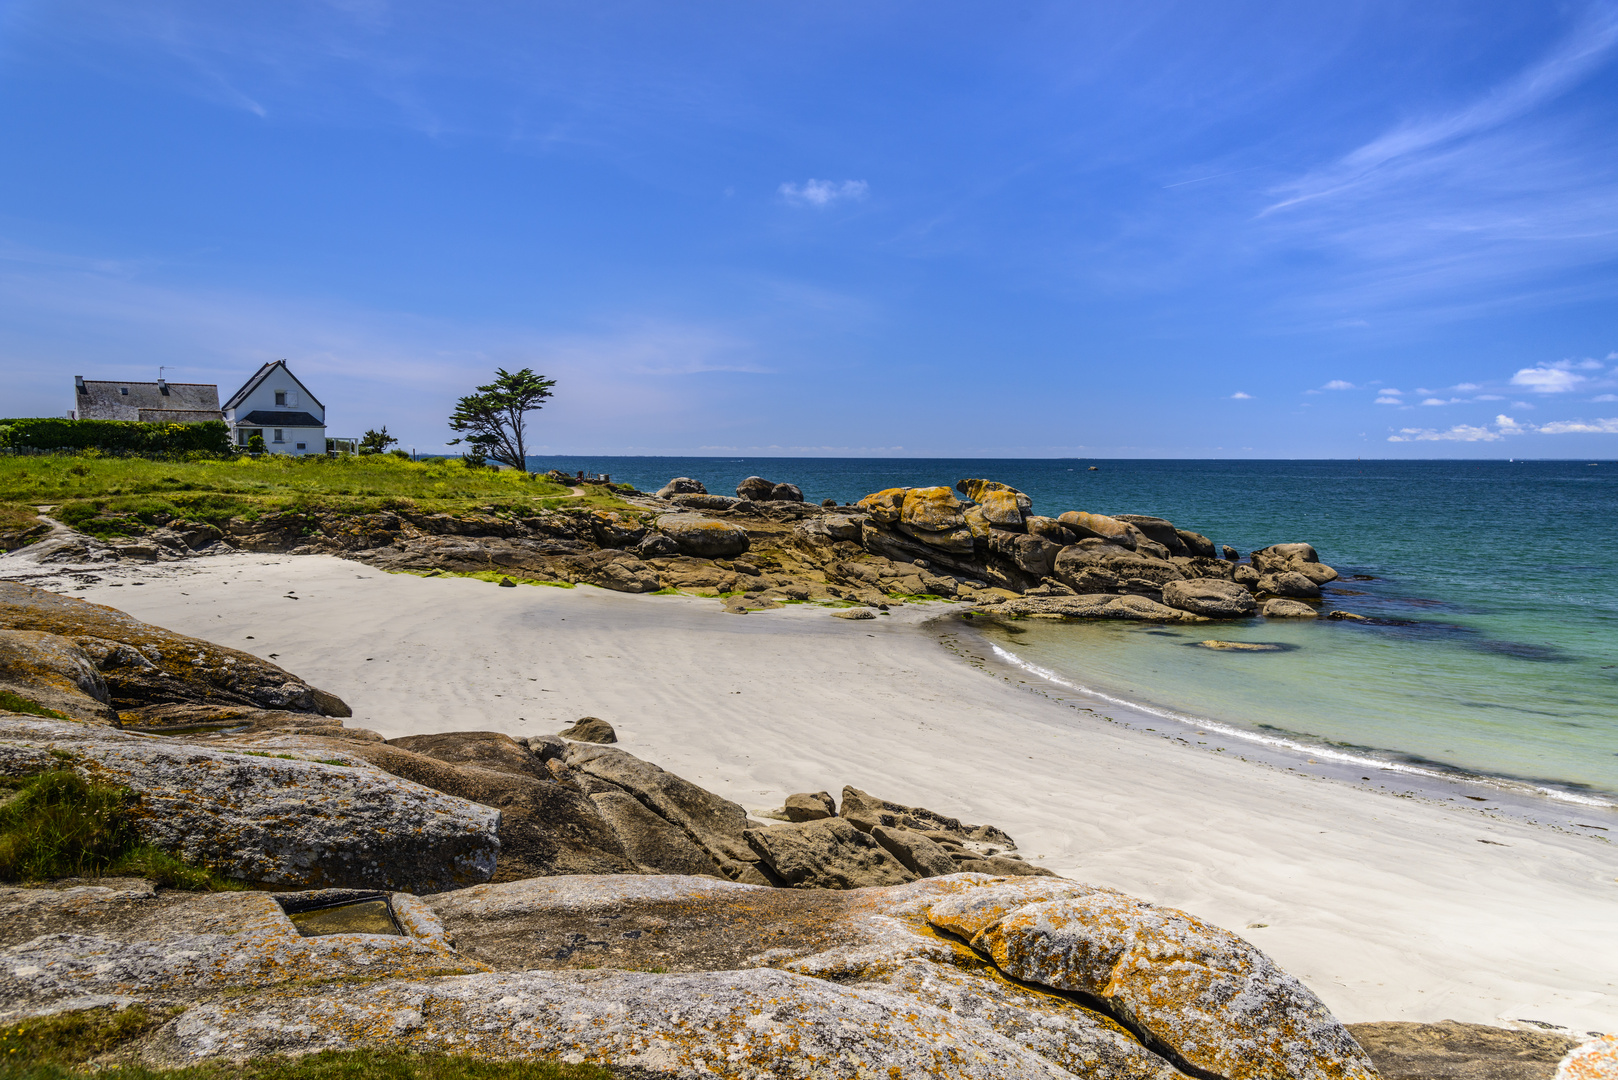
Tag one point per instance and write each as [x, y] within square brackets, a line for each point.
[78, 384]
[163, 387]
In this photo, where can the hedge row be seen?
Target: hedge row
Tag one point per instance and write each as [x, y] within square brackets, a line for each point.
[116, 436]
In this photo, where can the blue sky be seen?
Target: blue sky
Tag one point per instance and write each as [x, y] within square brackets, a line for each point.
[1020, 228]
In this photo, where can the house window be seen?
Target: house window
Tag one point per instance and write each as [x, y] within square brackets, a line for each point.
[278, 435]
[301, 446]
[124, 390]
[281, 397]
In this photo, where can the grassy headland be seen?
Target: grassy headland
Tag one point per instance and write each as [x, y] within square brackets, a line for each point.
[106, 496]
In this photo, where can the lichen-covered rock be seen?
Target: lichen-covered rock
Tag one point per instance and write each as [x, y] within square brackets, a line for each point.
[885, 505]
[1211, 597]
[76, 949]
[829, 854]
[52, 671]
[1594, 1060]
[999, 508]
[931, 510]
[143, 664]
[980, 490]
[752, 1024]
[265, 819]
[704, 537]
[544, 827]
[1201, 993]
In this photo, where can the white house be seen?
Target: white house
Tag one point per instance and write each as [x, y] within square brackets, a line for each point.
[275, 405]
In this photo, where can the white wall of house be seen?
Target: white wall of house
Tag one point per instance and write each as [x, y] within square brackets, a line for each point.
[279, 393]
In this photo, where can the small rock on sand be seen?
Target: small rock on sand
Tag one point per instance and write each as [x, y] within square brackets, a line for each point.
[1240, 646]
[854, 613]
[591, 729]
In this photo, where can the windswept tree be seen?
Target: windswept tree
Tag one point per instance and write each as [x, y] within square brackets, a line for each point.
[495, 417]
[376, 442]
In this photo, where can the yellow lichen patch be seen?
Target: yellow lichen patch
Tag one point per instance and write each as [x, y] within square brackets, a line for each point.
[884, 505]
[1595, 1060]
[933, 509]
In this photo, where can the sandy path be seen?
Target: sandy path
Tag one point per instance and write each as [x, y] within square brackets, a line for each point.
[1390, 908]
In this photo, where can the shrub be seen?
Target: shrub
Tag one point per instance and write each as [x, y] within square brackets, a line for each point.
[117, 436]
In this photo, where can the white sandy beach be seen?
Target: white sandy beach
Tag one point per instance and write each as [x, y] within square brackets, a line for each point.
[1390, 908]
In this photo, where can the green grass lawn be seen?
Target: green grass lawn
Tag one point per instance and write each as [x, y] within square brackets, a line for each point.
[107, 496]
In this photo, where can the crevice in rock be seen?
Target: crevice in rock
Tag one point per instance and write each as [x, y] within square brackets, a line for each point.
[1095, 1004]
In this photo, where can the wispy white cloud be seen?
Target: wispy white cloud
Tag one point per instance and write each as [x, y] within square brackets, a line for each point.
[1608, 426]
[1458, 433]
[1605, 397]
[1385, 400]
[823, 193]
[1497, 199]
[1241, 395]
[1503, 427]
[1576, 57]
[1338, 384]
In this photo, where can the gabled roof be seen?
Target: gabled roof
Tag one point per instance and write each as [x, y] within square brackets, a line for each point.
[259, 376]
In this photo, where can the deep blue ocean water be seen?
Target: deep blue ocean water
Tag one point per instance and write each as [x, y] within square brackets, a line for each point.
[1495, 584]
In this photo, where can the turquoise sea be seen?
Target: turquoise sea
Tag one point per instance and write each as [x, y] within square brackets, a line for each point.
[1494, 586]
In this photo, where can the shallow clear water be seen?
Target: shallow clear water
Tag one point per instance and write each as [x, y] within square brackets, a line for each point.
[1496, 583]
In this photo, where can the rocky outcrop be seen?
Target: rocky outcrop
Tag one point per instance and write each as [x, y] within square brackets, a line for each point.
[715, 824]
[141, 664]
[662, 975]
[1300, 558]
[758, 489]
[1197, 993]
[702, 537]
[1287, 609]
[52, 671]
[1097, 606]
[829, 854]
[307, 823]
[681, 485]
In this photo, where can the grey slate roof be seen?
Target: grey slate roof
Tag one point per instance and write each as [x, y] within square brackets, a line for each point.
[101, 400]
[261, 418]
